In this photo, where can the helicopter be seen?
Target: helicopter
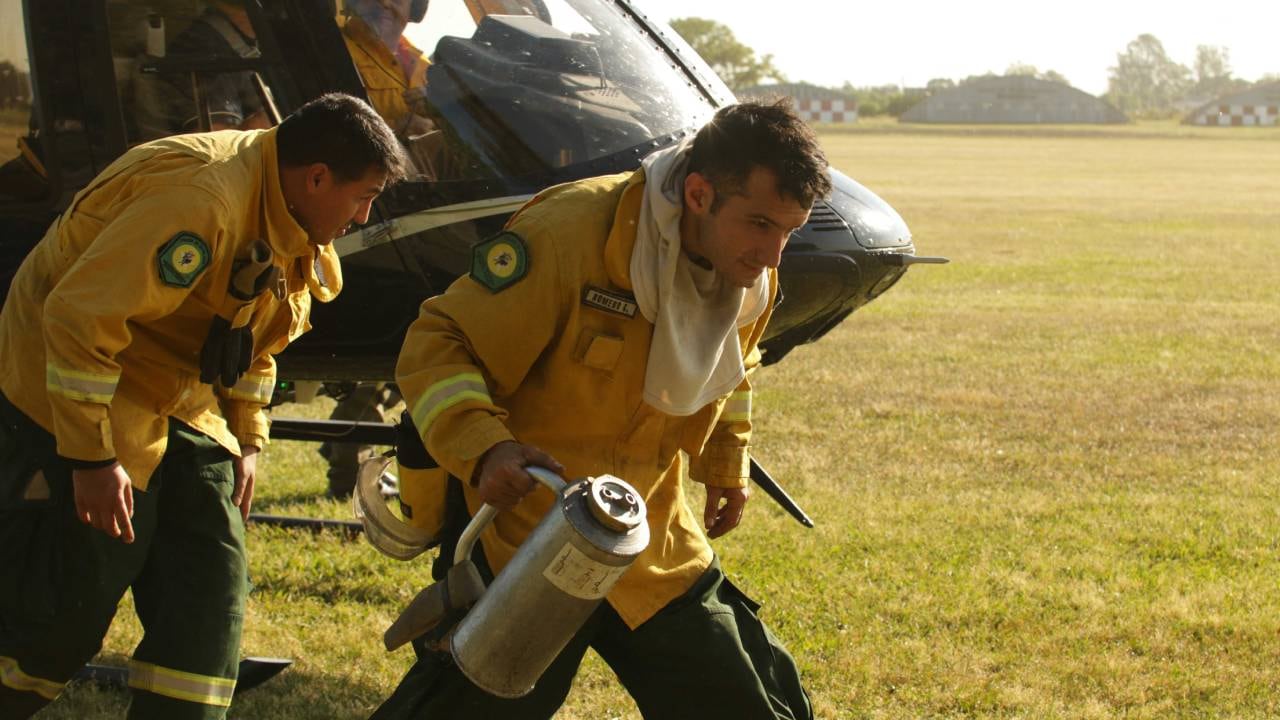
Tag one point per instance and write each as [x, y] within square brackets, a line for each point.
[517, 95]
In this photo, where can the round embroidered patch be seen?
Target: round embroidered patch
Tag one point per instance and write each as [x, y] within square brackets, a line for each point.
[181, 260]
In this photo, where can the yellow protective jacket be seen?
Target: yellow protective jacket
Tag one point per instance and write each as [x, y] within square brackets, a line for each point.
[384, 78]
[551, 362]
[100, 349]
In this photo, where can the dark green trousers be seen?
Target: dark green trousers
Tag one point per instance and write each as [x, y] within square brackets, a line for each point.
[706, 655]
[61, 580]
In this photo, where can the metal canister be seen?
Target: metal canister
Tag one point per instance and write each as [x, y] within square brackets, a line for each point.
[556, 579]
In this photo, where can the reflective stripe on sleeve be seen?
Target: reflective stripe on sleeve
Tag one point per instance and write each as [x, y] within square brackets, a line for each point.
[445, 394]
[12, 677]
[737, 408]
[80, 385]
[253, 388]
[179, 685]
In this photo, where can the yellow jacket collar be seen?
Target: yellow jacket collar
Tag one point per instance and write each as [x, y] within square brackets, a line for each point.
[622, 237]
[287, 238]
[324, 274]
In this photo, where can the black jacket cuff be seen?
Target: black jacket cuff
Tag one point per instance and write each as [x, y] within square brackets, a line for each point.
[87, 464]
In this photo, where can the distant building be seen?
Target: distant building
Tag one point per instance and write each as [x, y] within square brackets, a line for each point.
[1259, 105]
[813, 103]
[1013, 99]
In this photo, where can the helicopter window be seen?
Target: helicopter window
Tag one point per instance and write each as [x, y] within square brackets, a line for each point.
[182, 66]
[485, 89]
[22, 174]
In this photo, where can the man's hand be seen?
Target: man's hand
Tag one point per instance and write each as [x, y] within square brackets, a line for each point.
[501, 475]
[104, 499]
[246, 467]
[721, 519]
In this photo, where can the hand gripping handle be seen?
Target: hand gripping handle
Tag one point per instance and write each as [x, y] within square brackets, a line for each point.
[487, 512]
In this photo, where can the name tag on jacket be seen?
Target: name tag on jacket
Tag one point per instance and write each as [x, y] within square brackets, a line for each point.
[616, 303]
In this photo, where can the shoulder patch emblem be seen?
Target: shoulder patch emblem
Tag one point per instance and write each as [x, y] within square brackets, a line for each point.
[500, 261]
[181, 260]
[612, 302]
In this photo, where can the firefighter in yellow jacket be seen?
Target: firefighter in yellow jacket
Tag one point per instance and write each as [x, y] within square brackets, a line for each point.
[389, 65]
[611, 326]
[137, 343]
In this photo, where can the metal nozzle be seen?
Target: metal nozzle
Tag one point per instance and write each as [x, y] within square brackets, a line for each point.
[615, 504]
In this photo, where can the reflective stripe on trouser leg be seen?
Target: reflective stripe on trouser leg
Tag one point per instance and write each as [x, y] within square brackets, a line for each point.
[60, 580]
[190, 597]
[179, 685]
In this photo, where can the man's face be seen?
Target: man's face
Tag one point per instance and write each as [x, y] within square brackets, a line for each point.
[388, 17]
[331, 205]
[747, 232]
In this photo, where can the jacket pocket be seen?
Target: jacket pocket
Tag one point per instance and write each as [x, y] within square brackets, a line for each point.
[598, 350]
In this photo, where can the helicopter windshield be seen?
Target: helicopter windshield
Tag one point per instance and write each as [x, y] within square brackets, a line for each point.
[483, 89]
[517, 92]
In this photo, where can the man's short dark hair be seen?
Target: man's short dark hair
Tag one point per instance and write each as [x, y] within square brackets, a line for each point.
[344, 133]
[771, 135]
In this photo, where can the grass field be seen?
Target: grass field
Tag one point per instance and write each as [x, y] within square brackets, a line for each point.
[1045, 477]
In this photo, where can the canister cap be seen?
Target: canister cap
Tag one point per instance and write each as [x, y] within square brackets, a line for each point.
[615, 504]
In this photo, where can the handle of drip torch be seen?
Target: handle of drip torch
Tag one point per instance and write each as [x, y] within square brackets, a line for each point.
[487, 512]
[249, 278]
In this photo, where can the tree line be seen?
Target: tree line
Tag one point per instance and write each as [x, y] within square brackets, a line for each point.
[15, 86]
[1144, 82]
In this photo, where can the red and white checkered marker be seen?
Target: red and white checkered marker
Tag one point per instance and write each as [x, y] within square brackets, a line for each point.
[1239, 115]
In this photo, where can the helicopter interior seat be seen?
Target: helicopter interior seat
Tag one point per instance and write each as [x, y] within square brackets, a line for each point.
[140, 32]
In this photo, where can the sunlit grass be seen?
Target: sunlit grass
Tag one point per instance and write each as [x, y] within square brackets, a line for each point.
[1045, 477]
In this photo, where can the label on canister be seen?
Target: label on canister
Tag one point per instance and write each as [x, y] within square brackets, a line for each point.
[580, 576]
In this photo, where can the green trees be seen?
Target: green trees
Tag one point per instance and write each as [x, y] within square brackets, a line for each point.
[734, 62]
[14, 85]
[1031, 71]
[1212, 73]
[1145, 80]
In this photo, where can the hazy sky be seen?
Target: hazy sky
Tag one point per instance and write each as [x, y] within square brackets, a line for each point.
[883, 42]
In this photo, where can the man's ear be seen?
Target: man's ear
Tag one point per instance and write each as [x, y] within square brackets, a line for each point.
[699, 193]
[318, 177]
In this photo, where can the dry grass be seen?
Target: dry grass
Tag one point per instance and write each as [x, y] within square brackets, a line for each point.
[1045, 476]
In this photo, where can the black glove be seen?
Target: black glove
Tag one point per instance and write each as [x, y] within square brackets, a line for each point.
[410, 452]
[226, 354]
[211, 353]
